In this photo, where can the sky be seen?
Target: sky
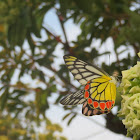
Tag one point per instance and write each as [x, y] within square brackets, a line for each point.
[81, 128]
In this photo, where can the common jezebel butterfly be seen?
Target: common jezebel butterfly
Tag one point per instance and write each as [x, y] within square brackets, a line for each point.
[99, 94]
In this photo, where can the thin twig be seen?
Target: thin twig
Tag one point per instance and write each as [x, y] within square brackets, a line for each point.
[61, 20]
[56, 37]
[63, 29]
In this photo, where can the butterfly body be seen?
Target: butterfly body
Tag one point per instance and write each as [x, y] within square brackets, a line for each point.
[98, 96]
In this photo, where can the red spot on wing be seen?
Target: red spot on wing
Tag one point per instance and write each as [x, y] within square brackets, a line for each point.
[86, 87]
[95, 104]
[102, 106]
[86, 94]
[108, 105]
[113, 102]
[89, 100]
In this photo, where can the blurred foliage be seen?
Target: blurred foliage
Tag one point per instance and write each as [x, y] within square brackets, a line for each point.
[24, 54]
[12, 129]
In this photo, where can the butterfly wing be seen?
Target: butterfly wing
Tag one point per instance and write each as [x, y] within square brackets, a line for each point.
[74, 98]
[100, 94]
[88, 111]
[82, 71]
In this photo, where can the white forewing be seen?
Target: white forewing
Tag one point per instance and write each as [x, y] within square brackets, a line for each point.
[82, 71]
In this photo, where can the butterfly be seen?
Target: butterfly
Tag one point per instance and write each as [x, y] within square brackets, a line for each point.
[99, 93]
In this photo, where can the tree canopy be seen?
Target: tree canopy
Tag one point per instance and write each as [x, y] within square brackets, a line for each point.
[24, 54]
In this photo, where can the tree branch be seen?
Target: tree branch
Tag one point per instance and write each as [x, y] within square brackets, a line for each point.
[66, 44]
[61, 20]
[56, 37]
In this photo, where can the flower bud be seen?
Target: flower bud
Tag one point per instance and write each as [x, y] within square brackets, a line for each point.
[130, 104]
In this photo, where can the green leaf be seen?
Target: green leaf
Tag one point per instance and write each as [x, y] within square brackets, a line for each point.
[71, 119]
[66, 116]
[4, 98]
